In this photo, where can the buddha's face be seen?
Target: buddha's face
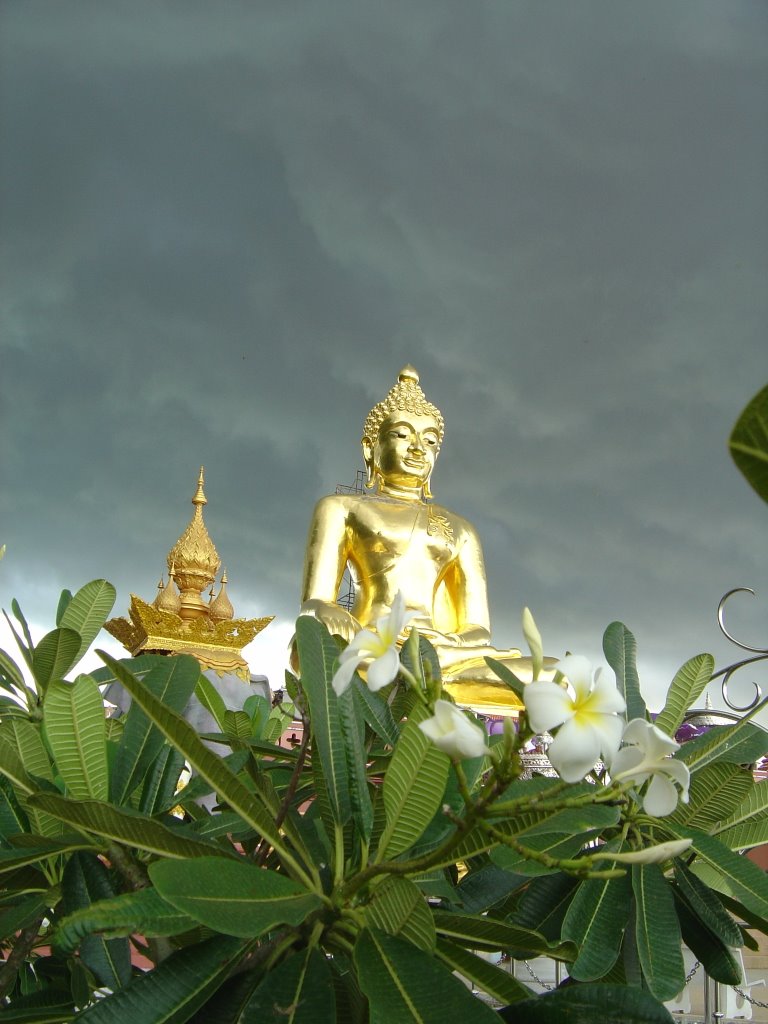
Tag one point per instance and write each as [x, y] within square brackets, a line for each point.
[405, 451]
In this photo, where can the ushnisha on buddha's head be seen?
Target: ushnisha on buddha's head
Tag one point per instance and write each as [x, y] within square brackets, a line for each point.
[401, 440]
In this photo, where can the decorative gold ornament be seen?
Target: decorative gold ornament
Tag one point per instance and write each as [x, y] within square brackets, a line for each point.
[394, 540]
[179, 621]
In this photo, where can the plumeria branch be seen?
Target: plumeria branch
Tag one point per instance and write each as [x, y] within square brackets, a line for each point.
[582, 867]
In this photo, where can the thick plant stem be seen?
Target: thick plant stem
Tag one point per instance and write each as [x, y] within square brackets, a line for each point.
[21, 949]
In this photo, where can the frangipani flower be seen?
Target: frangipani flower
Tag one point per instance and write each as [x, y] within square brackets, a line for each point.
[379, 649]
[647, 754]
[453, 733]
[587, 713]
[650, 855]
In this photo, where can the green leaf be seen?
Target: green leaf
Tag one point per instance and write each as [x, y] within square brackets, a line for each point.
[744, 879]
[752, 807]
[620, 649]
[233, 896]
[76, 733]
[496, 982]
[376, 712]
[209, 765]
[742, 743]
[485, 886]
[398, 907]
[589, 1004]
[413, 790]
[211, 700]
[595, 922]
[123, 826]
[717, 959]
[23, 623]
[172, 682]
[144, 913]
[12, 767]
[161, 781]
[657, 932]
[746, 836]
[12, 816]
[172, 992]
[47, 1006]
[40, 849]
[54, 656]
[404, 984]
[487, 933]
[237, 724]
[23, 913]
[65, 599]
[687, 686]
[705, 904]
[544, 903]
[318, 653]
[353, 733]
[30, 747]
[506, 676]
[299, 991]
[715, 791]
[748, 443]
[87, 612]
[10, 672]
[84, 882]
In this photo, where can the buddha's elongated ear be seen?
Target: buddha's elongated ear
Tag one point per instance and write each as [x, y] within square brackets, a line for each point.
[425, 490]
[370, 472]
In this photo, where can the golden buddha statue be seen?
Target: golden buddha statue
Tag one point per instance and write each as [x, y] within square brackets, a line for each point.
[397, 539]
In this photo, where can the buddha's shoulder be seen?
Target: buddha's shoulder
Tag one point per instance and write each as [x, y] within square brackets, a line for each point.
[460, 525]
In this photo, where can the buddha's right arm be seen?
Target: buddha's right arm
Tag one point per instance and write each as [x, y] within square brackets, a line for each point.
[324, 560]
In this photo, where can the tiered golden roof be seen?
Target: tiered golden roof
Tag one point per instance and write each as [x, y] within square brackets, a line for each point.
[179, 621]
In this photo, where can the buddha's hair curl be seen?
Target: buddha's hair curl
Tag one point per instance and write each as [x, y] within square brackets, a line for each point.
[405, 396]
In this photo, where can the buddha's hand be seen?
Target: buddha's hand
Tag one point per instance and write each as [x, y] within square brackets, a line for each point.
[337, 620]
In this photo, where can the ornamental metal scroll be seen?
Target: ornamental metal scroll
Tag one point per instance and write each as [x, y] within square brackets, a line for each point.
[758, 654]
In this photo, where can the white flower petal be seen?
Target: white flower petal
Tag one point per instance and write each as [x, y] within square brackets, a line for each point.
[574, 750]
[660, 798]
[344, 673]
[364, 644]
[452, 732]
[605, 697]
[383, 670]
[548, 705]
[578, 671]
[680, 773]
[650, 855]
[653, 741]
[626, 762]
[610, 728]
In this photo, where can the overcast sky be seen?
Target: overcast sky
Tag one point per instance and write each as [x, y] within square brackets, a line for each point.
[225, 228]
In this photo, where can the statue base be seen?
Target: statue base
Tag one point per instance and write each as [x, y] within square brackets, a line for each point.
[485, 697]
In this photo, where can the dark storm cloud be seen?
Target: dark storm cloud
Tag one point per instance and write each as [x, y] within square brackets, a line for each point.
[225, 229]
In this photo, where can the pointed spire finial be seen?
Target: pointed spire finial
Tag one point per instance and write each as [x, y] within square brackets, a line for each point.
[200, 498]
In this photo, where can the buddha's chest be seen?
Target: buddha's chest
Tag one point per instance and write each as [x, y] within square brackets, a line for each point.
[387, 532]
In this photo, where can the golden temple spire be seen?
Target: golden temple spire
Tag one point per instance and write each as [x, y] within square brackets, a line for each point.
[178, 621]
[194, 559]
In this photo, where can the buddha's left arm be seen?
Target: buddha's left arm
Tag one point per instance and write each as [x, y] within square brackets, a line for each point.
[474, 625]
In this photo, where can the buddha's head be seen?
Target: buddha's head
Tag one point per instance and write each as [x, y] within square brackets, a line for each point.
[402, 436]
